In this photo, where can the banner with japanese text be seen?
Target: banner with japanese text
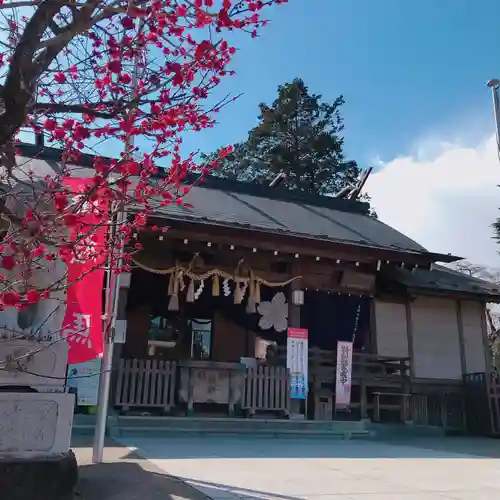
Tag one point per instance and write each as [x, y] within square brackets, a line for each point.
[297, 362]
[82, 325]
[344, 375]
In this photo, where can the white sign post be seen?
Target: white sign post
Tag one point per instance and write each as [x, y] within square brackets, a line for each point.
[344, 375]
[297, 362]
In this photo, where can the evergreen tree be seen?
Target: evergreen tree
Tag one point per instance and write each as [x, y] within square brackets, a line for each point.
[299, 135]
[496, 230]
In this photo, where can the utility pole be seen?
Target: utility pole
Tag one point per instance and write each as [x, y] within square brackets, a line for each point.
[494, 85]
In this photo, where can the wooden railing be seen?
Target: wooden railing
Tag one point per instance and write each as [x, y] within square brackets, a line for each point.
[377, 367]
[145, 383]
[267, 389]
[322, 366]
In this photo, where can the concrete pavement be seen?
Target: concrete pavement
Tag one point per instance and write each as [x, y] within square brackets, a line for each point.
[232, 468]
[125, 476]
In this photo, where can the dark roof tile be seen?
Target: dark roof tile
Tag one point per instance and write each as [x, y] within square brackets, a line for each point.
[443, 279]
[257, 207]
[299, 219]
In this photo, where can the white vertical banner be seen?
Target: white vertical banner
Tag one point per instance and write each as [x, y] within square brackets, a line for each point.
[297, 357]
[344, 375]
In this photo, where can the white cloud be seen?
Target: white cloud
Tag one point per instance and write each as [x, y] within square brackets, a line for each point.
[446, 202]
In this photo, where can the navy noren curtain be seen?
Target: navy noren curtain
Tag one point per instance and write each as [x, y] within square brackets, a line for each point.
[332, 317]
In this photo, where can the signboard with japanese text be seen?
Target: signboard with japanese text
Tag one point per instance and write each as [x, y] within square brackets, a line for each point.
[297, 362]
[83, 379]
[344, 375]
[82, 325]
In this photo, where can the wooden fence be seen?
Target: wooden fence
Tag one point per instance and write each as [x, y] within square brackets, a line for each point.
[482, 403]
[494, 397]
[444, 410]
[145, 383]
[267, 389]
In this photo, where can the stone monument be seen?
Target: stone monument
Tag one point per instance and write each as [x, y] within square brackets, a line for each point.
[36, 416]
[36, 412]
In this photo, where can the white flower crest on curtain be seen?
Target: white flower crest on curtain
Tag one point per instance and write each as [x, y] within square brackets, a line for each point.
[274, 314]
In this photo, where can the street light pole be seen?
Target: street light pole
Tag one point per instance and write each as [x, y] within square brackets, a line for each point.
[494, 85]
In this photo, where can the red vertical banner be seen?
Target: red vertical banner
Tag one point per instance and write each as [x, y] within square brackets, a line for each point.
[82, 325]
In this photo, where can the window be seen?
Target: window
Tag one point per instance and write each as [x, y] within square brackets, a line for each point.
[201, 339]
[192, 336]
[164, 332]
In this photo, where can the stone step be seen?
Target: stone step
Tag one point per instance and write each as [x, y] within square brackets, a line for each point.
[147, 425]
[146, 431]
[394, 431]
[127, 426]
[196, 422]
[84, 425]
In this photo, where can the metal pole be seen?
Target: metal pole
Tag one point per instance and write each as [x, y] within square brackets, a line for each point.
[102, 405]
[494, 85]
[111, 308]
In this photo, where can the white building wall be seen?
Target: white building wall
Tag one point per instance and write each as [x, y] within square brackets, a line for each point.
[474, 347]
[391, 329]
[436, 345]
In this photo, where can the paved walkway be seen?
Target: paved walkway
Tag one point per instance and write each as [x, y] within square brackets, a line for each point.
[125, 476]
[226, 468]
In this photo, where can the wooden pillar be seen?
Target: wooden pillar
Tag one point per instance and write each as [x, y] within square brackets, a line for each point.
[409, 334]
[408, 401]
[120, 315]
[487, 352]
[376, 407]
[444, 411]
[293, 311]
[363, 399]
[373, 347]
[294, 322]
[461, 340]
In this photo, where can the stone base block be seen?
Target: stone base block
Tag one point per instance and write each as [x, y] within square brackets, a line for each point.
[52, 478]
[35, 424]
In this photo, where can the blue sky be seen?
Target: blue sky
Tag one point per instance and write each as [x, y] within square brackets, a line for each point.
[414, 76]
[407, 69]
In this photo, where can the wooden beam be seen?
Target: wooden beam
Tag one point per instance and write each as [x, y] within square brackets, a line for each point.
[200, 269]
[285, 243]
[320, 275]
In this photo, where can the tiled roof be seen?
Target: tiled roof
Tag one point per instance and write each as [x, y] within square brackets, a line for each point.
[294, 218]
[277, 211]
[443, 279]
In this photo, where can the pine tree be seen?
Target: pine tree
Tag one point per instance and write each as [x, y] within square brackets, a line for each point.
[299, 135]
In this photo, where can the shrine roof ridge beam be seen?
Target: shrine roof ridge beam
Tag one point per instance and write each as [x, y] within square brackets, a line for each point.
[297, 243]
